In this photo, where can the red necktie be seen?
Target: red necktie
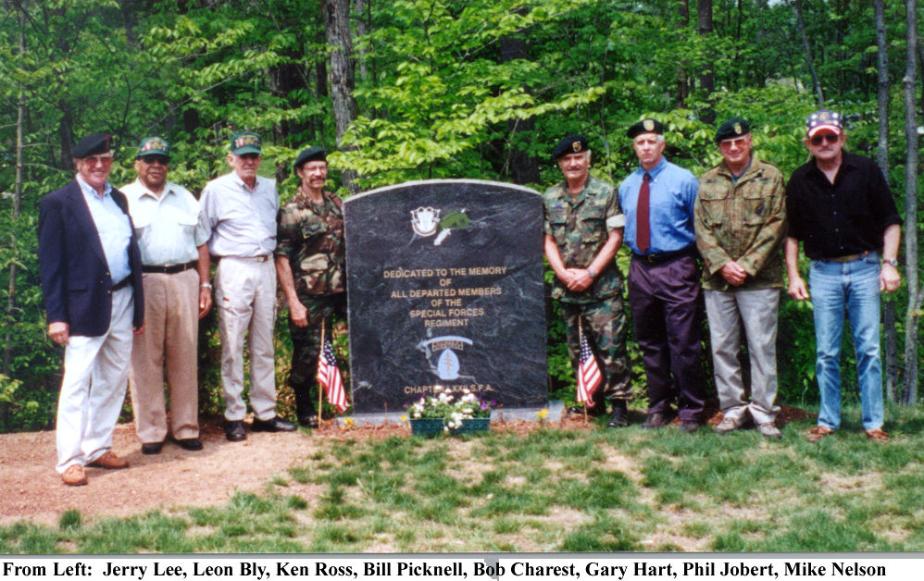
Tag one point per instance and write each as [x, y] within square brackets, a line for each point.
[642, 228]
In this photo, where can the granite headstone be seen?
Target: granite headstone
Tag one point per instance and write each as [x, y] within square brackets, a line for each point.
[445, 287]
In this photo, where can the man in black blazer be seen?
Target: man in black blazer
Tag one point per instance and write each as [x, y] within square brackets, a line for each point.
[90, 270]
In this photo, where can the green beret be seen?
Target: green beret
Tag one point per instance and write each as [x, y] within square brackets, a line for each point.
[153, 146]
[95, 144]
[244, 142]
[314, 153]
[734, 127]
[569, 144]
[645, 126]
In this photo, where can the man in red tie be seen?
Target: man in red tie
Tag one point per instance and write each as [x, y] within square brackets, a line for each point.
[664, 291]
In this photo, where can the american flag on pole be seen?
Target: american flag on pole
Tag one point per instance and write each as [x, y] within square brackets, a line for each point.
[588, 376]
[329, 378]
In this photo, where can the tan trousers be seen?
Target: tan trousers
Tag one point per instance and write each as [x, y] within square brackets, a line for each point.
[245, 294]
[170, 339]
[757, 311]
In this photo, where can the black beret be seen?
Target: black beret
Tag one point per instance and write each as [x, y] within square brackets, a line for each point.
[92, 145]
[645, 126]
[313, 153]
[569, 144]
[734, 127]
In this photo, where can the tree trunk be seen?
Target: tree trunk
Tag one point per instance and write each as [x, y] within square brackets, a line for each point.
[524, 169]
[17, 197]
[682, 82]
[707, 79]
[911, 208]
[360, 9]
[807, 50]
[882, 157]
[341, 74]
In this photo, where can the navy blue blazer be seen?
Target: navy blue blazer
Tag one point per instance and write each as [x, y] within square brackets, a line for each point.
[72, 266]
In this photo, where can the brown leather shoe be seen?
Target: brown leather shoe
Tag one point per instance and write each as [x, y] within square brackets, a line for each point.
[877, 435]
[819, 432]
[109, 461]
[75, 475]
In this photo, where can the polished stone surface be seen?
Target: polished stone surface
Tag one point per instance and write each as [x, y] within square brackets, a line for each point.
[444, 283]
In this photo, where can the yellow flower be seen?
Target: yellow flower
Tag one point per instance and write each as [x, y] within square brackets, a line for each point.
[542, 414]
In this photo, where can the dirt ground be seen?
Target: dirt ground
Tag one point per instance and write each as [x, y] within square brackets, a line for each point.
[30, 489]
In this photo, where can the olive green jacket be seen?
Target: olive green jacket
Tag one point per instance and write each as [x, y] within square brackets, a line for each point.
[744, 221]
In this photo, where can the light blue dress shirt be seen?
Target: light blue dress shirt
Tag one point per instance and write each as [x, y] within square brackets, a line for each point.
[112, 226]
[672, 195]
[239, 221]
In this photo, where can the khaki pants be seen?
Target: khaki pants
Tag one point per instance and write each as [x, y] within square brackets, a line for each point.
[171, 338]
[757, 309]
[245, 293]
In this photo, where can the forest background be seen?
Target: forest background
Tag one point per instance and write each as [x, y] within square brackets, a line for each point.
[420, 89]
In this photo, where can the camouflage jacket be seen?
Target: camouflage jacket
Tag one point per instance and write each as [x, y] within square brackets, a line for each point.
[580, 226]
[311, 235]
[744, 221]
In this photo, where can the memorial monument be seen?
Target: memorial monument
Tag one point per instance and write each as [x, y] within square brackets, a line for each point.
[445, 287]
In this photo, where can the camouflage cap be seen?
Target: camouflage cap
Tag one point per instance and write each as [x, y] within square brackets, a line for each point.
[645, 126]
[732, 128]
[244, 142]
[569, 144]
[314, 153]
[153, 146]
[824, 120]
[95, 144]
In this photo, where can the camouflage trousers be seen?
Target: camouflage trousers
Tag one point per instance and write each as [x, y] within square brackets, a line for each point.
[306, 345]
[604, 324]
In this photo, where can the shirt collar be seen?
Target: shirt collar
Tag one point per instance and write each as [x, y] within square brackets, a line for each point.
[653, 172]
[89, 190]
[237, 179]
[146, 191]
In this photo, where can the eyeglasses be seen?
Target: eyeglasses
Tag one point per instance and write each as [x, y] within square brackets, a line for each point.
[729, 143]
[156, 159]
[250, 156]
[93, 160]
[829, 137]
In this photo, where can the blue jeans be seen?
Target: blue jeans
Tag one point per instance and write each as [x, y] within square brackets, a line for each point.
[854, 286]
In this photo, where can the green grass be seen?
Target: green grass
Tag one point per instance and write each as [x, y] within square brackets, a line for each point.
[551, 490]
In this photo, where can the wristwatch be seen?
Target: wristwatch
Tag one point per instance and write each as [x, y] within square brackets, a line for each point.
[892, 261]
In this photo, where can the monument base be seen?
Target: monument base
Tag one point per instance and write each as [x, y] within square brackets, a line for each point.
[556, 409]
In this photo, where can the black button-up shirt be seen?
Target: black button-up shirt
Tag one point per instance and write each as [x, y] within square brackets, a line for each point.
[847, 217]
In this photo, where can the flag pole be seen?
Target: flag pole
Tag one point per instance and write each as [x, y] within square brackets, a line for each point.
[318, 383]
[580, 336]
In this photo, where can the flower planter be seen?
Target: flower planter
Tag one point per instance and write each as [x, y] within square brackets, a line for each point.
[474, 426]
[427, 428]
[430, 428]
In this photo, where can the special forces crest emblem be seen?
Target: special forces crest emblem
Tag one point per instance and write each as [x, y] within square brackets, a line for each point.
[447, 365]
[426, 221]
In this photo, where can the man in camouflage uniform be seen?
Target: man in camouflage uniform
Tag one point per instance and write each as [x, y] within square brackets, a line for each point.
[310, 268]
[583, 231]
[740, 221]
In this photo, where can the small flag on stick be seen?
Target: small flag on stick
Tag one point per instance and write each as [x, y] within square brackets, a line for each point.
[329, 377]
[588, 375]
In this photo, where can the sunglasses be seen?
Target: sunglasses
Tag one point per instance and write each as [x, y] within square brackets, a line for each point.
[155, 159]
[829, 137]
[93, 160]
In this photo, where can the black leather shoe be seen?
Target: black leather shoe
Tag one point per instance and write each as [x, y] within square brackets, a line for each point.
[309, 421]
[273, 425]
[234, 431]
[620, 417]
[689, 426]
[152, 448]
[594, 412]
[656, 420]
[191, 444]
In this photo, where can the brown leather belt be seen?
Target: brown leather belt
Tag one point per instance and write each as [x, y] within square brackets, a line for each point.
[848, 258]
[172, 269]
